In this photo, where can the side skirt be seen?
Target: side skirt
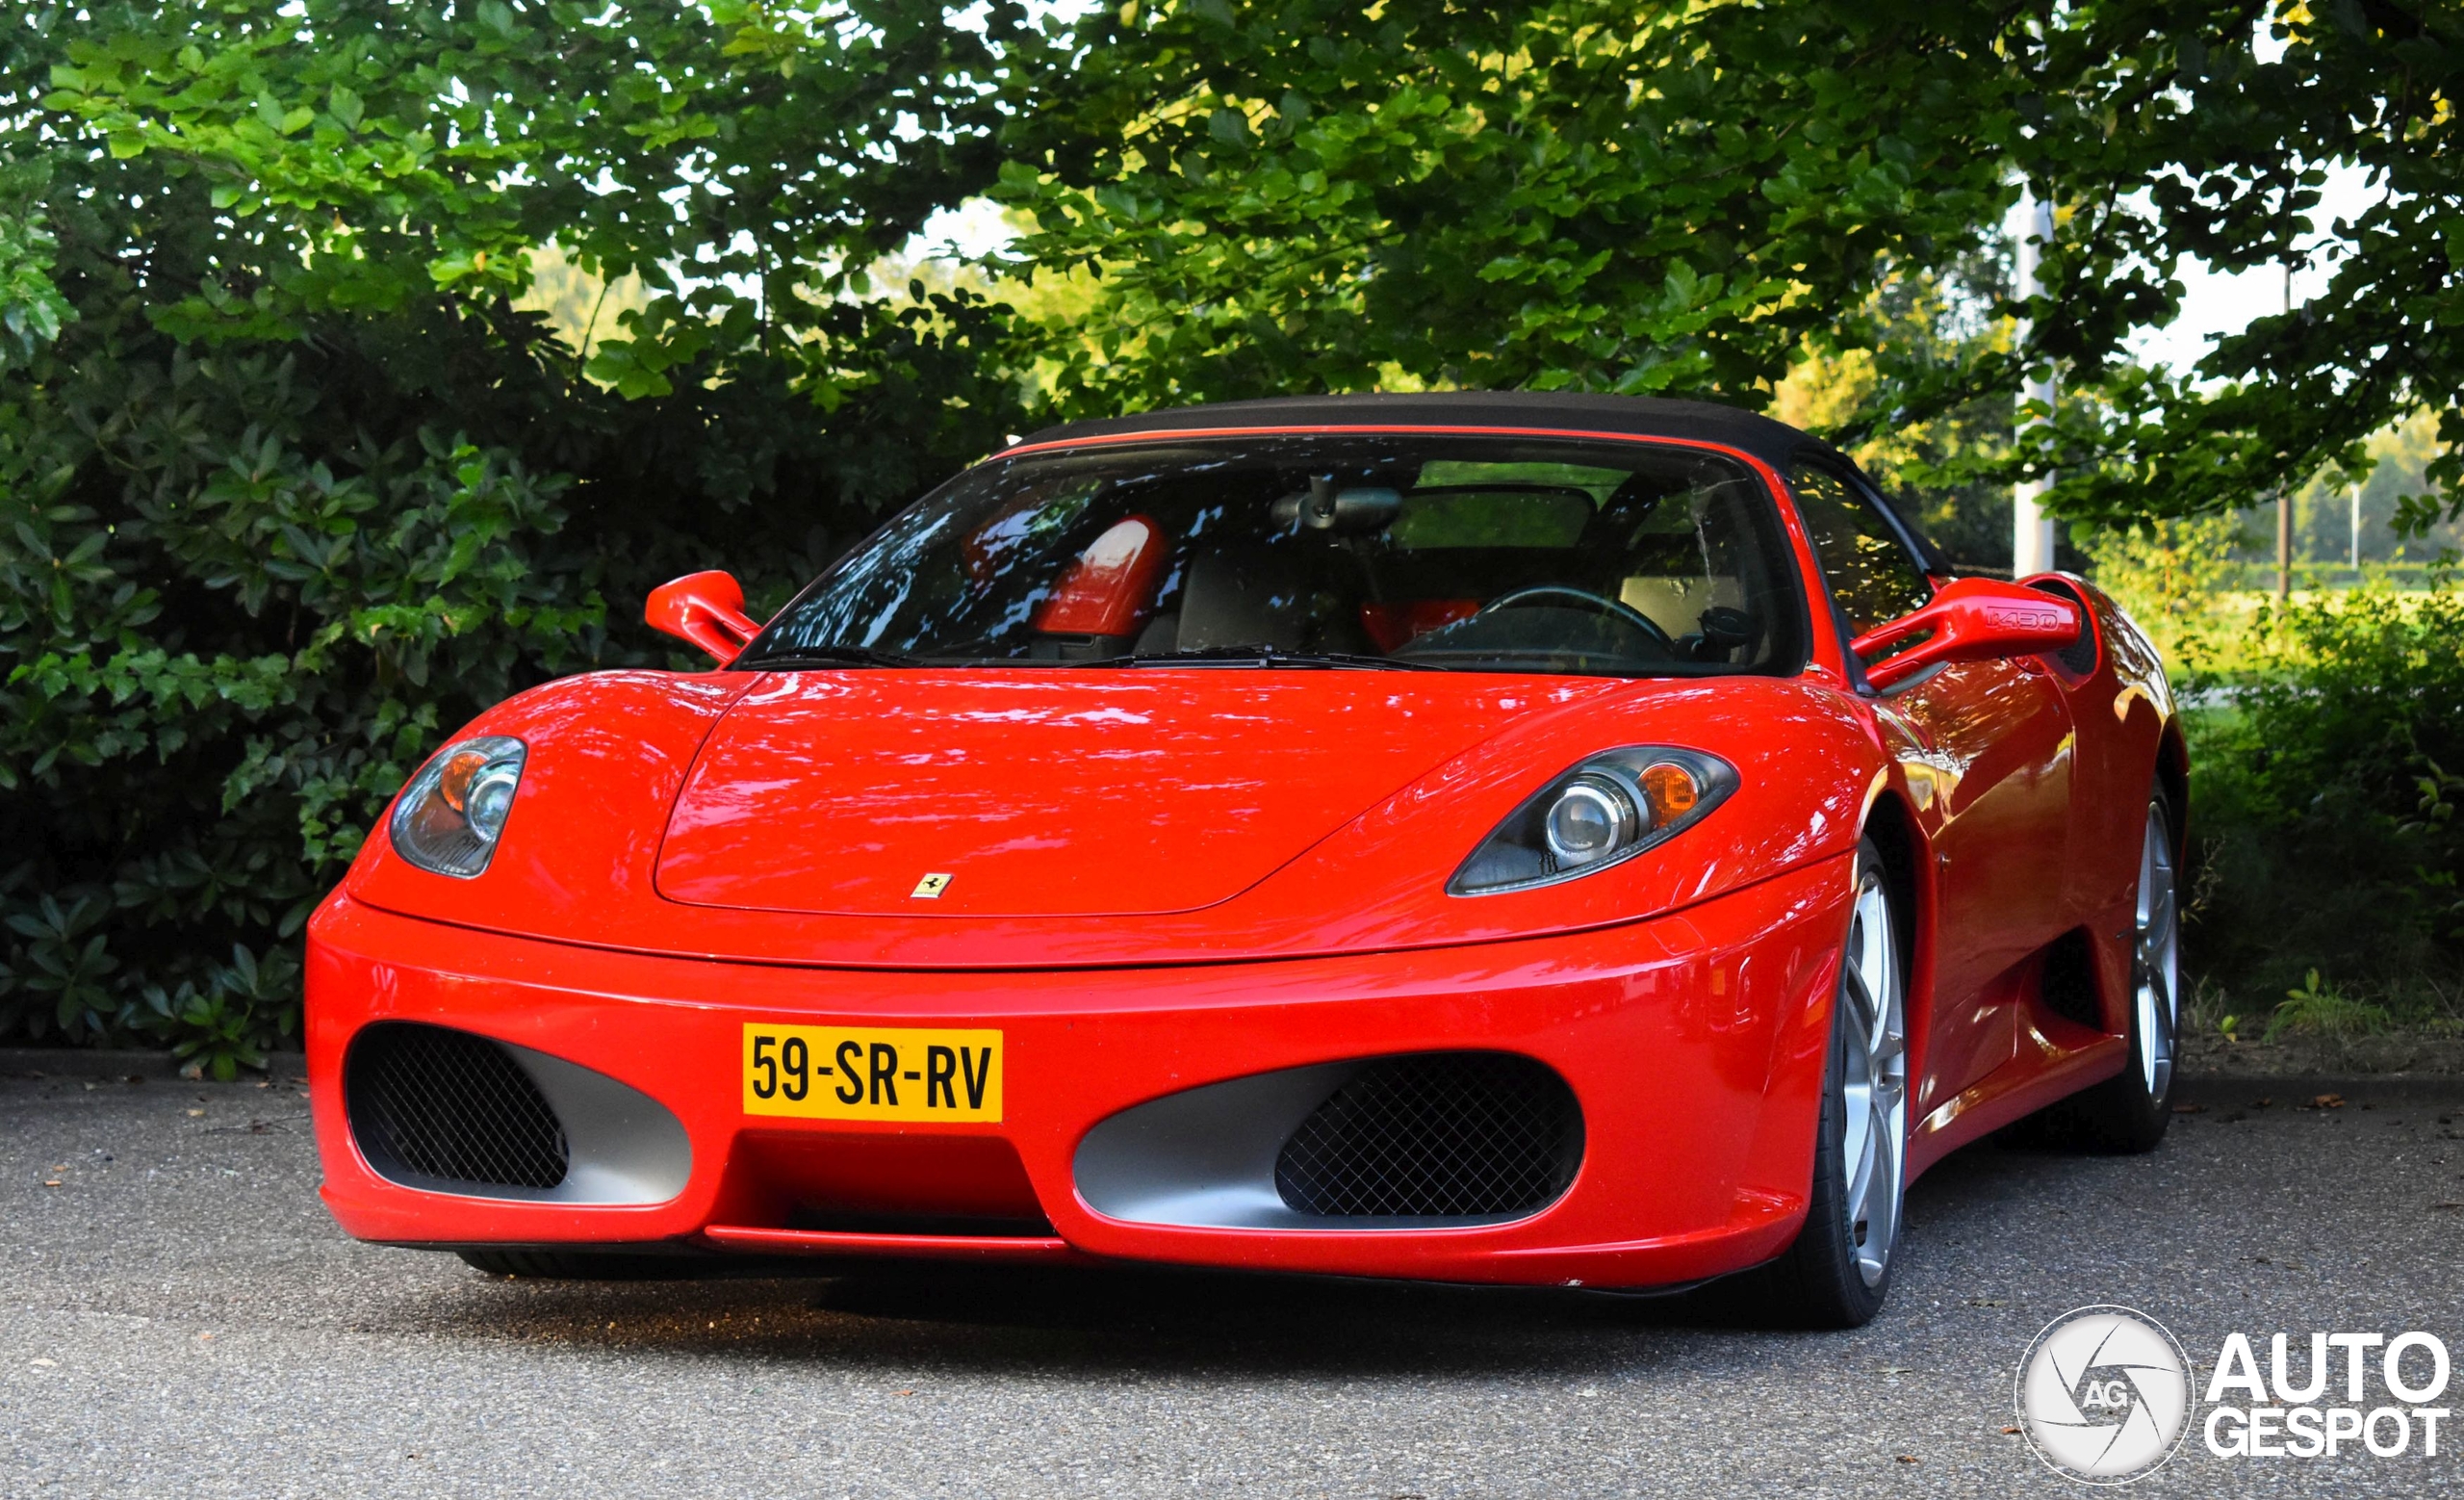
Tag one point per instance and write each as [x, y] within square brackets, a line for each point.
[2056, 1056]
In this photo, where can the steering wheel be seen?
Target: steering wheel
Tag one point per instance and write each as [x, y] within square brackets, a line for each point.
[1615, 609]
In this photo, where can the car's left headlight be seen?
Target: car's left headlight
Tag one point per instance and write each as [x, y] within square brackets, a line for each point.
[1604, 812]
[450, 817]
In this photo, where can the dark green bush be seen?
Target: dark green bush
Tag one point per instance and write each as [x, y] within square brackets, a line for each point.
[288, 489]
[2324, 797]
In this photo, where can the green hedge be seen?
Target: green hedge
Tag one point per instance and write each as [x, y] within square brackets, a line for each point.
[2323, 810]
[288, 489]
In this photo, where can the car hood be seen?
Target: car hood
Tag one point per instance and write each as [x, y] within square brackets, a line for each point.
[1320, 811]
[1015, 793]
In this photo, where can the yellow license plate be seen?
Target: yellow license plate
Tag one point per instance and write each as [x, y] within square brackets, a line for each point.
[872, 1073]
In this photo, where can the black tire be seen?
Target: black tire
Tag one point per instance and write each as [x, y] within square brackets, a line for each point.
[2126, 1113]
[1818, 1282]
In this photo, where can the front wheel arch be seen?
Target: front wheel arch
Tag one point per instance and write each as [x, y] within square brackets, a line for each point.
[1825, 1278]
[2172, 777]
[1907, 866]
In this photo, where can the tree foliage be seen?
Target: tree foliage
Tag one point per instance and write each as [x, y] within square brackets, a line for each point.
[1688, 199]
[2170, 129]
[291, 483]
[288, 487]
[1311, 194]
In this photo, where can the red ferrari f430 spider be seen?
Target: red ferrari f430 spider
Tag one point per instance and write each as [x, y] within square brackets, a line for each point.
[1514, 838]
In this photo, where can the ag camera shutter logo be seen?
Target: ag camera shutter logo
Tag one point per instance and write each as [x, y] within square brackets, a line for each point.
[2104, 1395]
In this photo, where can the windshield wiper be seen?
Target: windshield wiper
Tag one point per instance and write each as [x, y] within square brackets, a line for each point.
[1263, 657]
[807, 658]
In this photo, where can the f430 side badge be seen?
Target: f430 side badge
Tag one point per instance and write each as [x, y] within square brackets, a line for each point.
[929, 888]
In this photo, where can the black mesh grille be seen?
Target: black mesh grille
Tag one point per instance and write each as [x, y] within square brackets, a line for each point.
[2069, 981]
[1451, 1134]
[2080, 656]
[445, 1105]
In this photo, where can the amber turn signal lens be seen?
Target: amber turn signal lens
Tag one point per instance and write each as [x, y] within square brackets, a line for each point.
[453, 785]
[1671, 791]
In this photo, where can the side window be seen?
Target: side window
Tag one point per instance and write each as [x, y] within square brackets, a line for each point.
[1869, 567]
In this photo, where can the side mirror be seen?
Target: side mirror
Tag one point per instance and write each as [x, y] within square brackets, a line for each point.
[705, 608]
[1973, 619]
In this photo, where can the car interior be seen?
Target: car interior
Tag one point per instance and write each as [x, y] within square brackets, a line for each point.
[1524, 561]
[1440, 571]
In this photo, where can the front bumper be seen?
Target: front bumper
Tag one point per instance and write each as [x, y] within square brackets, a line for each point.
[1694, 1044]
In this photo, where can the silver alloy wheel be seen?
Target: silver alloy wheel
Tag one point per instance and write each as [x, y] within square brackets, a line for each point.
[1874, 1154]
[2156, 956]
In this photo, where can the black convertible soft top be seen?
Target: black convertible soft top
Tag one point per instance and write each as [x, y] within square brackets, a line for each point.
[1773, 442]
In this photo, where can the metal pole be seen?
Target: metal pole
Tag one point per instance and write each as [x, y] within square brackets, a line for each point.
[2356, 533]
[2284, 493]
[2031, 530]
[2283, 543]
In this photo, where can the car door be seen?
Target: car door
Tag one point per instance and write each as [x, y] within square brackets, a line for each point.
[1988, 746]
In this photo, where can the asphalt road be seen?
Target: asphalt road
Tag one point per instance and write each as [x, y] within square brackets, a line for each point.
[179, 1318]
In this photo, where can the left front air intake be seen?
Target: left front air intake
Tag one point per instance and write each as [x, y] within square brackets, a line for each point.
[428, 1102]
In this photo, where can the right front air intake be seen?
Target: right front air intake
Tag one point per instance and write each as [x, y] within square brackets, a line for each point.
[1445, 1135]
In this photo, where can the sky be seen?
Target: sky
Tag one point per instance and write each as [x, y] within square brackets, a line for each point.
[975, 227]
[2214, 304]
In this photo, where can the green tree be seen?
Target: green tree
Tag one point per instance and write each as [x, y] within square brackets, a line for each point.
[300, 466]
[2170, 129]
[1310, 195]
[1686, 199]
[291, 485]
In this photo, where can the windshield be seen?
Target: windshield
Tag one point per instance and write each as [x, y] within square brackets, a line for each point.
[1394, 550]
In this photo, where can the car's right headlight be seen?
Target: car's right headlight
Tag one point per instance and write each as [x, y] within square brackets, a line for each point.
[1604, 812]
[450, 817]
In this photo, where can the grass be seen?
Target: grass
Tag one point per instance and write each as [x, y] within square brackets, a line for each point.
[2324, 1009]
